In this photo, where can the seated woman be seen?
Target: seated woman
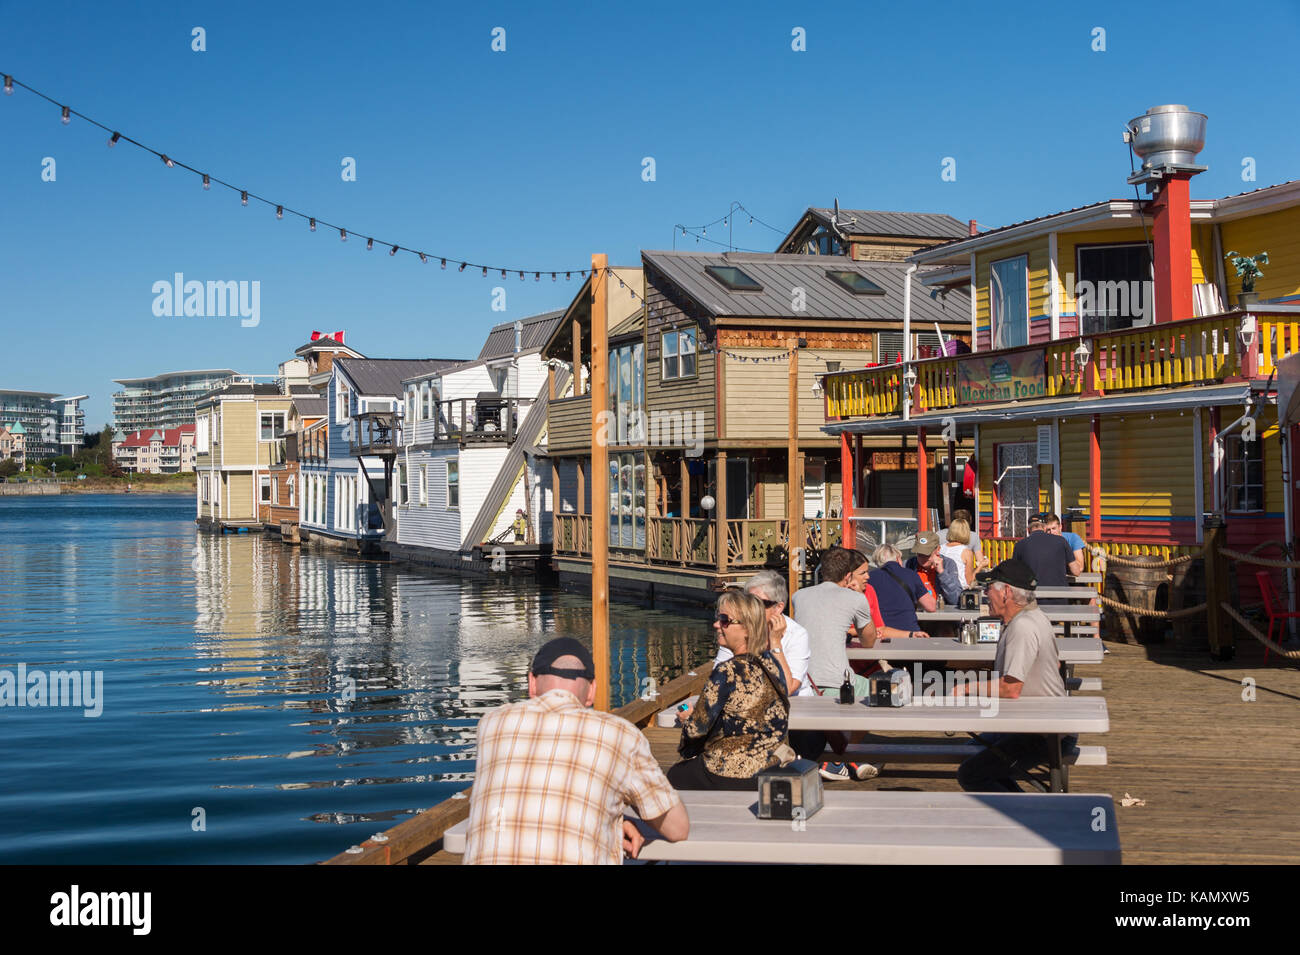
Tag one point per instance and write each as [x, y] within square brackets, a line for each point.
[740, 719]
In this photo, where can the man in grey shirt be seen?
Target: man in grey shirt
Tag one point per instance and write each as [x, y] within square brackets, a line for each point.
[1026, 665]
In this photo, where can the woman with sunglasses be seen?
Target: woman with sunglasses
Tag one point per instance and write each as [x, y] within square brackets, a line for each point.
[741, 718]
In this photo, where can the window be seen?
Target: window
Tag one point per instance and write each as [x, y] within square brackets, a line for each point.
[453, 484]
[426, 399]
[410, 405]
[420, 489]
[1016, 488]
[265, 482]
[202, 433]
[203, 489]
[627, 511]
[627, 392]
[1113, 288]
[855, 282]
[402, 489]
[288, 482]
[340, 400]
[733, 278]
[1245, 473]
[677, 350]
[272, 425]
[1009, 302]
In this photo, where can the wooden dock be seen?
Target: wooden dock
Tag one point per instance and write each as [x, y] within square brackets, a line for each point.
[1218, 773]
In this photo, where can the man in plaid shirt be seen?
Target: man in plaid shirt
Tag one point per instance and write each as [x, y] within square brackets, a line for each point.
[554, 776]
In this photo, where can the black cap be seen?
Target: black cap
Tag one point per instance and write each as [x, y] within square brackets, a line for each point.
[552, 650]
[1011, 571]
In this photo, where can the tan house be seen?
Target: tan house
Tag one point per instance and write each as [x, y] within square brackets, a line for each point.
[239, 430]
[13, 443]
[157, 451]
[279, 509]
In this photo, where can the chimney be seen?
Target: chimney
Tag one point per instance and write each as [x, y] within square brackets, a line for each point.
[1167, 139]
[973, 226]
[519, 337]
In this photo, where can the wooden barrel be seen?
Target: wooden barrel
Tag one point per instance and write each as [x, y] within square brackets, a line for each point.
[1145, 585]
[1187, 589]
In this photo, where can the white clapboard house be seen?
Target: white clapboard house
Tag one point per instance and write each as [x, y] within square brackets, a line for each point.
[472, 481]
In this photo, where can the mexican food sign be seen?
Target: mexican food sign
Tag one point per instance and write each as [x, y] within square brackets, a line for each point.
[1001, 378]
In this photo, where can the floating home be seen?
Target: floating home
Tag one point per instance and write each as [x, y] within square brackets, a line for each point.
[1120, 375]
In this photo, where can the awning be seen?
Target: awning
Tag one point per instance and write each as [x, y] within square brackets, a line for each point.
[1169, 400]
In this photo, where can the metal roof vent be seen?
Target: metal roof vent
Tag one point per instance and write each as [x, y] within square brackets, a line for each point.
[1167, 139]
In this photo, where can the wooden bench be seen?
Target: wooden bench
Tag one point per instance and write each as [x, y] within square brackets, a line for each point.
[880, 754]
[892, 828]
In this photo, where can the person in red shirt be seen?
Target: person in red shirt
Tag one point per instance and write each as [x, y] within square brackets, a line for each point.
[858, 582]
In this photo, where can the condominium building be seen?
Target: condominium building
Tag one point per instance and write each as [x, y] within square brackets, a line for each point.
[155, 451]
[39, 414]
[163, 401]
[72, 423]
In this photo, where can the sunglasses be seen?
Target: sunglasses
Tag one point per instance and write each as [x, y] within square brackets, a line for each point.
[725, 620]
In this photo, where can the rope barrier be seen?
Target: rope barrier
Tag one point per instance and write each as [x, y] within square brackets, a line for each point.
[1146, 612]
[1259, 561]
[1106, 558]
[1231, 611]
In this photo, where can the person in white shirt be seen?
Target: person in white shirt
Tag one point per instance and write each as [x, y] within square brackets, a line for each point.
[788, 640]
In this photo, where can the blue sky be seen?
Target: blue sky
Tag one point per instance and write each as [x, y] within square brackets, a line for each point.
[532, 157]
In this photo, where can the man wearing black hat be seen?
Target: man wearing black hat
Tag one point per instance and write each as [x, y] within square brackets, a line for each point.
[1026, 665]
[554, 777]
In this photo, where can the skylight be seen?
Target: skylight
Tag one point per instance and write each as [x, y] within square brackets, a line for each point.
[733, 278]
[856, 282]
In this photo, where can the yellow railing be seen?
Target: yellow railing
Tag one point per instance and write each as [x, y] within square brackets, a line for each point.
[870, 391]
[1277, 337]
[938, 382]
[1178, 353]
[1000, 548]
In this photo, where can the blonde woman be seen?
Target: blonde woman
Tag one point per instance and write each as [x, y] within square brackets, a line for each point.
[958, 549]
[741, 717]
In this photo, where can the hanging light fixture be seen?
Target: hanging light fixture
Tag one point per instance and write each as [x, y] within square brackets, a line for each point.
[370, 244]
[393, 250]
[444, 263]
[9, 85]
[167, 162]
[114, 138]
[243, 197]
[312, 224]
[279, 212]
[67, 116]
[207, 182]
[343, 235]
[424, 258]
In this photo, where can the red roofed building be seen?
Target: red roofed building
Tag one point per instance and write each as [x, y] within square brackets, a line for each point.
[156, 451]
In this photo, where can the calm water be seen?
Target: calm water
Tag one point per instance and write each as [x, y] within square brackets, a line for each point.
[228, 663]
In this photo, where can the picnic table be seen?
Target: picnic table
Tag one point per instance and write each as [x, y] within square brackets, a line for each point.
[1053, 717]
[890, 828]
[1068, 617]
[1071, 650]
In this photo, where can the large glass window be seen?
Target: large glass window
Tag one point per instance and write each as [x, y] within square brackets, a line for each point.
[627, 392]
[677, 349]
[1009, 302]
[1016, 488]
[627, 501]
[1113, 288]
[272, 425]
[453, 484]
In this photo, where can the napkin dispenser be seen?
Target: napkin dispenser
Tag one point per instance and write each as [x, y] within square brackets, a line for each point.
[890, 688]
[969, 599]
[792, 791]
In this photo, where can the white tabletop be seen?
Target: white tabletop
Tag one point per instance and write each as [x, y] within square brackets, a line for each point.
[1067, 593]
[890, 828]
[1060, 715]
[900, 828]
[1056, 613]
[1069, 649]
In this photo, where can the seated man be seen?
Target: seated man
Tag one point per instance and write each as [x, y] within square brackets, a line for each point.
[787, 640]
[939, 573]
[1048, 556]
[1026, 665]
[554, 777]
[831, 611]
[1052, 524]
[900, 591]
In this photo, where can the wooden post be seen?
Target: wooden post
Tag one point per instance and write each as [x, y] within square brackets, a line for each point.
[1094, 480]
[1217, 588]
[720, 510]
[794, 489]
[577, 357]
[555, 473]
[948, 488]
[1216, 463]
[922, 482]
[599, 484]
[848, 483]
[685, 514]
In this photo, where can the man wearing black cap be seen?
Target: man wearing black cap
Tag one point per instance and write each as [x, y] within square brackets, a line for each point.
[1026, 665]
[554, 777]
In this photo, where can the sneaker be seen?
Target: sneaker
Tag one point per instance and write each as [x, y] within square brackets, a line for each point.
[863, 771]
[834, 771]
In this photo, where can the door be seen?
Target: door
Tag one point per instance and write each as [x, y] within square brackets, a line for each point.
[1015, 488]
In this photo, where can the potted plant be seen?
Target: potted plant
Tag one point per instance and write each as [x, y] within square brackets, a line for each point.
[1248, 270]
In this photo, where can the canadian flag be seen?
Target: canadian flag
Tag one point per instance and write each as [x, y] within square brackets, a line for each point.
[337, 336]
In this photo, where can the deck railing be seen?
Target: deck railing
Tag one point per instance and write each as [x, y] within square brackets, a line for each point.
[484, 421]
[1195, 351]
[374, 432]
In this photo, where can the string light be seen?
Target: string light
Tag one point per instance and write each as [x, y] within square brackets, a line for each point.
[424, 258]
[207, 183]
[9, 85]
[312, 224]
[279, 212]
[67, 116]
[370, 244]
[444, 263]
[393, 250]
[343, 235]
[243, 197]
[167, 162]
[114, 139]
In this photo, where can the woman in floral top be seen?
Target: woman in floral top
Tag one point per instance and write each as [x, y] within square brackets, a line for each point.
[741, 717]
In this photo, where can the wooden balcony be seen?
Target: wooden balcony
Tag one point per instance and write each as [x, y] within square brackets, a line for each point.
[1197, 351]
[487, 419]
[376, 433]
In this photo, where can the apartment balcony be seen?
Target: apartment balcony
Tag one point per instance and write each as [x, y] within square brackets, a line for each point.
[1214, 349]
[487, 419]
[376, 433]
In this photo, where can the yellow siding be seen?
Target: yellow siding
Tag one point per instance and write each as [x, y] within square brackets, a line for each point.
[1011, 432]
[1039, 301]
[238, 432]
[240, 486]
[1147, 465]
[1266, 430]
[1278, 234]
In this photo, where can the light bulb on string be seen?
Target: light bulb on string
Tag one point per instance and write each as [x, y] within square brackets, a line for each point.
[343, 235]
[9, 85]
[207, 182]
[167, 162]
[393, 250]
[552, 276]
[370, 244]
[424, 258]
[279, 212]
[243, 197]
[521, 276]
[67, 116]
[444, 263]
[114, 138]
[312, 224]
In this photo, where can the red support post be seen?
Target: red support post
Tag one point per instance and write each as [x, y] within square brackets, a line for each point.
[922, 483]
[848, 485]
[1094, 480]
[1171, 232]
